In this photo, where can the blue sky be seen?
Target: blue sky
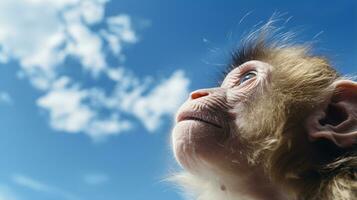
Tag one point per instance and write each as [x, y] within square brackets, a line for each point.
[88, 89]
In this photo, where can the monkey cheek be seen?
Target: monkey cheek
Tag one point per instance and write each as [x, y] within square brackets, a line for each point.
[196, 144]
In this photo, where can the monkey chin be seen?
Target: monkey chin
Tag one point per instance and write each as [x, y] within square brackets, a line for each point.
[196, 144]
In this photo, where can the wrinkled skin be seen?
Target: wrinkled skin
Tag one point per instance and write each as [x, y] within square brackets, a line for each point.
[209, 119]
[206, 136]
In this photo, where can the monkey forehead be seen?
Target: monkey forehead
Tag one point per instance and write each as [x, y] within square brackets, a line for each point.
[263, 69]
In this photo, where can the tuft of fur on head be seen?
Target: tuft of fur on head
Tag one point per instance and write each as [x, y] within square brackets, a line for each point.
[277, 146]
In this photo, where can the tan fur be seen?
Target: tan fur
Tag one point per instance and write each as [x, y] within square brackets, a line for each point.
[301, 83]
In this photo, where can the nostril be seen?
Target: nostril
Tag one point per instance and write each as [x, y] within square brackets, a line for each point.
[198, 94]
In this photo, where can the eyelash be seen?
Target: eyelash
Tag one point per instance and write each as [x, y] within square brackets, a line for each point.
[249, 73]
[239, 80]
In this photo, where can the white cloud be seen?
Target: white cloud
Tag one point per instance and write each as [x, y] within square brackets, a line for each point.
[29, 33]
[119, 31]
[163, 100]
[145, 100]
[67, 110]
[95, 179]
[99, 128]
[31, 183]
[92, 11]
[87, 47]
[6, 193]
[75, 110]
[58, 4]
[42, 34]
[121, 26]
[38, 186]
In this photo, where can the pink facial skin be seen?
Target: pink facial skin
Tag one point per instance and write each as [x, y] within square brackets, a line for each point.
[208, 124]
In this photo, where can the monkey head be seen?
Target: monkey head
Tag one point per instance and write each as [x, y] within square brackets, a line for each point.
[281, 117]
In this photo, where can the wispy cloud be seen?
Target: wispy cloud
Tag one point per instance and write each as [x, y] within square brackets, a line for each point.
[5, 98]
[39, 186]
[6, 193]
[162, 100]
[59, 30]
[95, 179]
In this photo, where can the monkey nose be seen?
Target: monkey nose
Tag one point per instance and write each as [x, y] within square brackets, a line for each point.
[198, 94]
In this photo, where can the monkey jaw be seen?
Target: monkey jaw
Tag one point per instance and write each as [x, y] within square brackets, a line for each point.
[205, 151]
[201, 138]
[195, 141]
[199, 147]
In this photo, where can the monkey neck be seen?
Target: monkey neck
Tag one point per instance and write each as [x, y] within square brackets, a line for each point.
[252, 184]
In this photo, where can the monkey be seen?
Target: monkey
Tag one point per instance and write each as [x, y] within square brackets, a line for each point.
[282, 125]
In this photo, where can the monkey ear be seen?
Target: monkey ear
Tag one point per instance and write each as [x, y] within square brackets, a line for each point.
[338, 121]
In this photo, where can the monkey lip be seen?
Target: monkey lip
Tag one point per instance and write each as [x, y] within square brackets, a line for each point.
[199, 116]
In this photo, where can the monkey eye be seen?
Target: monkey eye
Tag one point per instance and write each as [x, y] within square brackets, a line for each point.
[247, 76]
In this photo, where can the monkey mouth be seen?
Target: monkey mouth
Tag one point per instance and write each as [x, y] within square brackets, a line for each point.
[204, 117]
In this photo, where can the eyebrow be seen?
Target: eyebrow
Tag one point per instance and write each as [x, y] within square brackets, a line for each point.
[248, 51]
[254, 50]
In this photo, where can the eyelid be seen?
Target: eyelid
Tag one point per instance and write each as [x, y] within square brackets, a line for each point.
[248, 72]
[242, 76]
[238, 72]
[244, 70]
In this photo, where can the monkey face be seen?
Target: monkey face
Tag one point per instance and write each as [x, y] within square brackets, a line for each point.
[210, 124]
[282, 125]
